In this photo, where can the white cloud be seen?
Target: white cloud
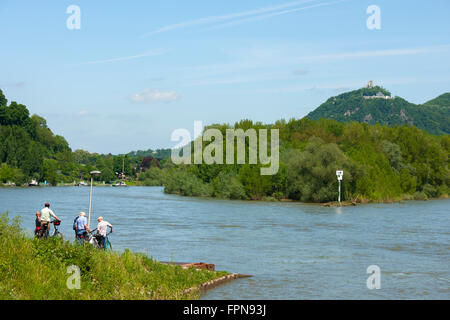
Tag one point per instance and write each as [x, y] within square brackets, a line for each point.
[17, 84]
[274, 14]
[260, 13]
[142, 55]
[373, 53]
[155, 95]
[82, 113]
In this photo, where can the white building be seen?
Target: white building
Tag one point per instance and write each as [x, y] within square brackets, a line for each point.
[379, 95]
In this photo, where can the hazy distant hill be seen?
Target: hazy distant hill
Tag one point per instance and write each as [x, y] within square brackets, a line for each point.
[375, 105]
[442, 101]
[158, 153]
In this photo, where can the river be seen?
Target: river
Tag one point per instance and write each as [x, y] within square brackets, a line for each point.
[293, 250]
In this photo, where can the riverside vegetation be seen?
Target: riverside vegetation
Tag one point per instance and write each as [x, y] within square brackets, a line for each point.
[380, 164]
[35, 269]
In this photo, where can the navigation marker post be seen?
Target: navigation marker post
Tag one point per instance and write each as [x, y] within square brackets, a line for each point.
[339, 175]
[90, 195]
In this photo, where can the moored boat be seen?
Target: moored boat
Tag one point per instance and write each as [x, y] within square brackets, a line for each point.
[119, 184]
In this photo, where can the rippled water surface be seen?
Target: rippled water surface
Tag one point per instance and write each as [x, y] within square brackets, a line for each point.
[294, 251]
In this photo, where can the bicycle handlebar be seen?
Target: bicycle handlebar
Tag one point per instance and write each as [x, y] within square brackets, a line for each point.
[92, 231]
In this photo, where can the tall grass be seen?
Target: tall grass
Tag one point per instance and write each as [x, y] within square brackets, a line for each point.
[37, 269]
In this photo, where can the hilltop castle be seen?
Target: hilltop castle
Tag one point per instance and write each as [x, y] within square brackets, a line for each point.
[379, 94]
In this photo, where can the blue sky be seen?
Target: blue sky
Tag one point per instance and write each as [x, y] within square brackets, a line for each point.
[137, 70]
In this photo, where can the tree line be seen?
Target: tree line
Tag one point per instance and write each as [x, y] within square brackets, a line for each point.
[380, 163]
[29, 150]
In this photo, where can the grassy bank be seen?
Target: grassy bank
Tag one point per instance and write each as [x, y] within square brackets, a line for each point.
[37, 269]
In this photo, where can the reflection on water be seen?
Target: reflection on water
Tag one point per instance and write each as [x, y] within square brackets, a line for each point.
[294, 251]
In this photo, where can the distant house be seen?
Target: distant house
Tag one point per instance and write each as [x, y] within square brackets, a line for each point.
[379, 95]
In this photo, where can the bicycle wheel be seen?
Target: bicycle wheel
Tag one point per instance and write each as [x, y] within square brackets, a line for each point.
[93, 241]
[43, 234]
[108, 245]
[58, 235]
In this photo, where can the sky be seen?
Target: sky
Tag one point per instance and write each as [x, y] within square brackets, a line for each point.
[135, 71]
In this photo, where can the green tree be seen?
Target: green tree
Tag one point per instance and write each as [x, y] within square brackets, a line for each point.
[3, 101]
[6, 173]
[107, 175]
[227, 185]
[50, 171]
[312, 173]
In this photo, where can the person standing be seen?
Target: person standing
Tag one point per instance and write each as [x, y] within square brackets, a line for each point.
[102, 228]
[37, 224]
[81, 227]
[46, 215]
[75, 224]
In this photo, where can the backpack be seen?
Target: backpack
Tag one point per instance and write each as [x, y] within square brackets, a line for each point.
[75, 223]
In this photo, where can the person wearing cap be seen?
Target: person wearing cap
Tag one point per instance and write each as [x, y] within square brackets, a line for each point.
[81, 227]
[46, 215]
[102, 228]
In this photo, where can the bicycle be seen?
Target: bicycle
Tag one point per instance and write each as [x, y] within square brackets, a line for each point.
[94, 241]
[82, 238]
[56, 233]
[45, 232]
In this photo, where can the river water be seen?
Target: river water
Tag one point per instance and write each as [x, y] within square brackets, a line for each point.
[293, 250]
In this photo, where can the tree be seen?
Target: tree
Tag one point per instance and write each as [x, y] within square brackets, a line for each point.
[226, 185]
[107, 175]
[312, 173]
[17, 113]
[50, 171]
[6, 173]
[3, 101]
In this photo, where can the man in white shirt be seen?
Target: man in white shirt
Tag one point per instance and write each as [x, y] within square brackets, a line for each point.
[102, 228]
[46, 215]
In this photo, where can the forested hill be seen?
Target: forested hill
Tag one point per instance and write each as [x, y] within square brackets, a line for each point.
[376, 105]
[25, 141]
[442, 101]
